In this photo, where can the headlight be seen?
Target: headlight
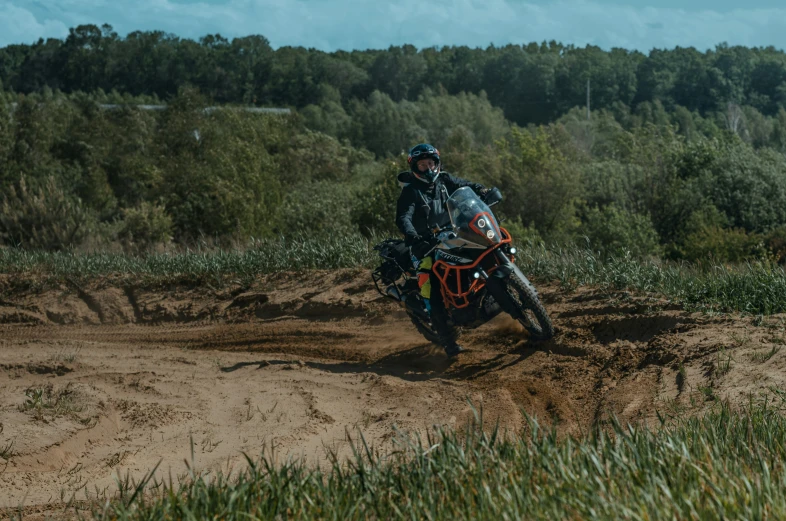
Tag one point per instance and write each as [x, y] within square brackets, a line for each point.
[476, 274]
[513, 250]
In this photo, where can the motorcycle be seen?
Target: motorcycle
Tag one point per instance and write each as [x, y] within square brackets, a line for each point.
[474, 263]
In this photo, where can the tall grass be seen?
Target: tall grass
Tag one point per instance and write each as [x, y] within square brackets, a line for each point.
[725, 465]
[756, 288]
[195, 265]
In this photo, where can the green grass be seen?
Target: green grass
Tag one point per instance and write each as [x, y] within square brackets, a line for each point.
[725, 465]
[763, 356]
[49, 402]
[194, 266]
[755, 288]
[7, 450]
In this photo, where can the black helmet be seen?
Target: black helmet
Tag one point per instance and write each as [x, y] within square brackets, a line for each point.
[424, 151]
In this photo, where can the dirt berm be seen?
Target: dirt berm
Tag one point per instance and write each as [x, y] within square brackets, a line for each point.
[109, 379]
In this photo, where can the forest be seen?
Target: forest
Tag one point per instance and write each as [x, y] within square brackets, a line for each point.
[680, 156]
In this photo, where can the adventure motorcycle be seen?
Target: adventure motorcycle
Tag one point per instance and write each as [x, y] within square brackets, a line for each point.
[474, 262]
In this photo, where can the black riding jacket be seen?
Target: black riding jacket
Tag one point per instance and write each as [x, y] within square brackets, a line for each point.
[422, 206]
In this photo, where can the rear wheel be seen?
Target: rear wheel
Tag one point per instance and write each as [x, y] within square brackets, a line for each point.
[530, 312]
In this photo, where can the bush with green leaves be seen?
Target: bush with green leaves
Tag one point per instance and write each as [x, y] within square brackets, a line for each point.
[610, 182]
[315, 157]
[441, 114]
[145, 227]
[388, 127]
[219, 180]
[43, 216]
[775, 241]
[375, 210]
[747, 186]
[538, 183]
[613, 230]
[706, 236]
[713, 243]
[229, 175]
[317, 208]
[384, 126]
[328, 116]
[526, 236]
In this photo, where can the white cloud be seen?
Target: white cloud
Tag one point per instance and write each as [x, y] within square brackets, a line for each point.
[18, 25]
[350, 24]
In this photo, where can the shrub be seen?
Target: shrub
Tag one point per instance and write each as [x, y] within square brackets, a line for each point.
[775, 241]
[44, 217]
[611, 182]
[384, 126]
[376, 208]
[313, 156]
[723, 245]
[538, 183]
[614, 230]
[145, 226]
[707, 236]
[746, 185]
[219, 179]
[522, 235]
[316, 208]
[328, 117]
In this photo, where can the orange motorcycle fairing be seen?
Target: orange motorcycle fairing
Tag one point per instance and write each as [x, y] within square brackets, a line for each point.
[450, 275]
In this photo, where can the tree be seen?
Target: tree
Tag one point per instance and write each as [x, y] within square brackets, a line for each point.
[540, 186]
[399, 72]
[384, 126]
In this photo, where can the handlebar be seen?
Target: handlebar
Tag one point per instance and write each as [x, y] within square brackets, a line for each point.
[437, 230]
[493, 196]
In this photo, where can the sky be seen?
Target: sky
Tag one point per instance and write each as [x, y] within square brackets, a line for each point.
[331, 25]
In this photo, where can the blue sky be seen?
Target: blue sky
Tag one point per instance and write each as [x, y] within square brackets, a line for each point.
[361, 24]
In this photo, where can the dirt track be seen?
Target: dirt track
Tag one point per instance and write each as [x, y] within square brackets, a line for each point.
[130, 377]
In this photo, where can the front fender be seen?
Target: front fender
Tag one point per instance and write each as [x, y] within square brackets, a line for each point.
[507, 269]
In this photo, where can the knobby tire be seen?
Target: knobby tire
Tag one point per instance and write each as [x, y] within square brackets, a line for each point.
[525, 299]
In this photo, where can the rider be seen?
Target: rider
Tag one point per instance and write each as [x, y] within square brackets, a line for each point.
[421, 207]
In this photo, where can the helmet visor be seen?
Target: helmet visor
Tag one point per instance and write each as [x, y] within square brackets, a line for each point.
[425, 164]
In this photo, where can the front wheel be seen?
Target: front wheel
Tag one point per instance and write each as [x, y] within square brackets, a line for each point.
[424, 328]
[529, 310]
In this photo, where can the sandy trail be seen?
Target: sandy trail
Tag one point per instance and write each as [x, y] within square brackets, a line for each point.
[111, 380]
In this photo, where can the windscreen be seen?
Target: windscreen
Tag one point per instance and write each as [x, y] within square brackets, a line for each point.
[472, 218]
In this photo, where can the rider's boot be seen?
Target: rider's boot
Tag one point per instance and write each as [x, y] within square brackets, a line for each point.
[447, 334]
[453, 349]
[435, 306]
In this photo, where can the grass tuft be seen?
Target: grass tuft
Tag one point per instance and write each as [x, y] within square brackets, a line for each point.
[7, 450]
[763, 356]
[723, 362]
[47, 401]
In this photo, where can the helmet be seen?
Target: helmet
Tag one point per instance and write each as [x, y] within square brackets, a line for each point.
[424, 151]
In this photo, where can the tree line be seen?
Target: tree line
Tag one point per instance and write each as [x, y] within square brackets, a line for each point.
[533, 83]
[649, 177]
